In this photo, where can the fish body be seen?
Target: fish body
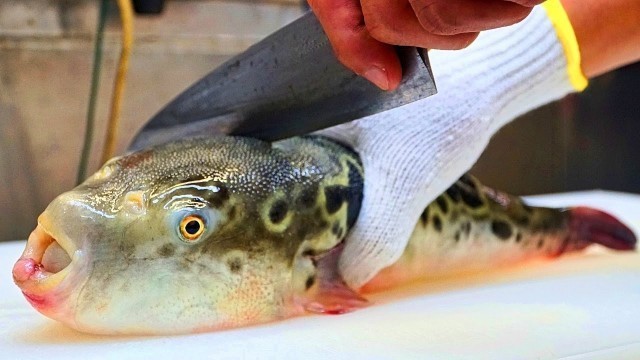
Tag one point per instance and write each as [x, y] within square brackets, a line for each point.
[212, 233]
[472, 228]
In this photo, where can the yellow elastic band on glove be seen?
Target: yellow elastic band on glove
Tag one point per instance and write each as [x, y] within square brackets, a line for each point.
[567, 38]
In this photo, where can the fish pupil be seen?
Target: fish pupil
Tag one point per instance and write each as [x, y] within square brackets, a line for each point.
[192, 227]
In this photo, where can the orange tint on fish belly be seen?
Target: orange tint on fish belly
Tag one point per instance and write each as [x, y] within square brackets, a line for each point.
[257, 292]
[390, 277]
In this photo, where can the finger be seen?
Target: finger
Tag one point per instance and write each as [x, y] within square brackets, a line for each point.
[396, 23]
[343, 23]
[449, 17]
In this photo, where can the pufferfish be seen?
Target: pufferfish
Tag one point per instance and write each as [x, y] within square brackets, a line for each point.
[220, 232]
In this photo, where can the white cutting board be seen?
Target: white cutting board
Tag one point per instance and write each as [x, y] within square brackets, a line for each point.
[579, 307]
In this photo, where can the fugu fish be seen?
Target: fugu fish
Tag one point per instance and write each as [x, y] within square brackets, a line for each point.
[212, 233]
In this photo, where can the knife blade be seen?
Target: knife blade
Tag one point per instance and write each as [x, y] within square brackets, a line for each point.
[288, 84]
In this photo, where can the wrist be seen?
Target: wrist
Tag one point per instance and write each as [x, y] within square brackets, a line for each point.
[567, 37]
[509, 71]
[607, 31]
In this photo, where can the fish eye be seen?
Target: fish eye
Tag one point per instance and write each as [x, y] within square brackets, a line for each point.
[191, 227]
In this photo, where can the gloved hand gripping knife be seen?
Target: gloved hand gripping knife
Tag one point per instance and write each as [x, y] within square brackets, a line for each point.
[415, 152]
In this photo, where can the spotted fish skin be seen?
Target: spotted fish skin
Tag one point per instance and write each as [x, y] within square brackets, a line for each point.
[471, 227]
[269, 210]
[275, 216]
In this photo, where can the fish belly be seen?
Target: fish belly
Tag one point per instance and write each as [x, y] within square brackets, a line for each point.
[430, 255]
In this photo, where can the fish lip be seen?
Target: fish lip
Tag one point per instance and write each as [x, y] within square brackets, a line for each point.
[42, 237]
[38, 285]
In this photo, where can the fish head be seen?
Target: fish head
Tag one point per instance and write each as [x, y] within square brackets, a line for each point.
[157, 243]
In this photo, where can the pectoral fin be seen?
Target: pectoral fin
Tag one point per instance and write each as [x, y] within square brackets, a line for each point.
[328, 293]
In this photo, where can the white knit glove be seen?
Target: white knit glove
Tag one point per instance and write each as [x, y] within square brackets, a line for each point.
[414, 153]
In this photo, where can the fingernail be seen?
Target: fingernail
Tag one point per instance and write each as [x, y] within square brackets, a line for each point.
[378, 76]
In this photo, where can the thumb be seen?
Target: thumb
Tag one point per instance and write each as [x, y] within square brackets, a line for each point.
[381, 233]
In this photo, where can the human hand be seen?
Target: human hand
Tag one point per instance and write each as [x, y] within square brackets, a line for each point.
[413, 153]
[362, 32]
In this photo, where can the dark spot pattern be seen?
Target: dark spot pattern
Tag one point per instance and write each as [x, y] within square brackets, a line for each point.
[167, 250]
[335, 228]
[453, 193]
[127, 249]
[471, 198]
[501, 229]
[550, 222]
[335, 196]
[218, 198]
[522, 220]
[466, 227]
[235, 265]
[518, 237]
[466, 179]
[135, 159]
[354, 194]
[455, 214]
[457, 236]
[310, 281]
[540, 243]
[309, 252]
[437, 223]
[319, 219]
[232, 213]
[322, 224]
[307, 197]
[278, 211]
[442, 204]
[424, 217]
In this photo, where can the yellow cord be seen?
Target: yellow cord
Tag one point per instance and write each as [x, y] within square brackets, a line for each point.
[126, 16]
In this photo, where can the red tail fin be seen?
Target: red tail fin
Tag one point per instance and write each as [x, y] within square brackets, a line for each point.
[598, 227]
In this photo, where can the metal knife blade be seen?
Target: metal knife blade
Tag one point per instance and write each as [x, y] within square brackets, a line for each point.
[288, 84]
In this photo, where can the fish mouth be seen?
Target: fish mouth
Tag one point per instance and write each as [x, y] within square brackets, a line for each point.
[43, 270]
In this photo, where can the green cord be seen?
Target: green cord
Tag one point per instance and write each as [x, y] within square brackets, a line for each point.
[93, 97]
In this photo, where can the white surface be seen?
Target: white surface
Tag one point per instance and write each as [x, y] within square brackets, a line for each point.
[579, 307]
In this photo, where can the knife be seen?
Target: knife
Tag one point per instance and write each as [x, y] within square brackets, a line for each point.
[288, 84]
